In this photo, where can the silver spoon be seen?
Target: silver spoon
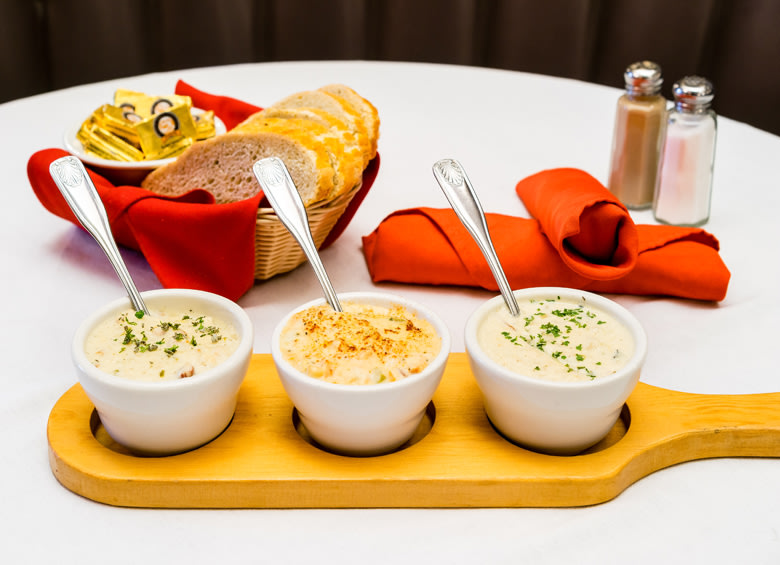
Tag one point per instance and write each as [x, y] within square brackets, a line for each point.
[457, 188]
[278, 186]
[74, 183]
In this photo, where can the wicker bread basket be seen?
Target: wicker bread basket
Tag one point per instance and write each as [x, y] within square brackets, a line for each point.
[276, 251]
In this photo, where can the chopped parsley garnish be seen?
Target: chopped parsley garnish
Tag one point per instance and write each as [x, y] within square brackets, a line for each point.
[540, 333]
[135, 334]
[198, 322]
[510, 337]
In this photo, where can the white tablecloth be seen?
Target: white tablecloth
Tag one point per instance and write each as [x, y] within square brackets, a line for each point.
[502, 126]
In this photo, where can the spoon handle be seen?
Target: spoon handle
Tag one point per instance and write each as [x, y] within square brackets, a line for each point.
[74, 183]
[279, 188]
[458, 189]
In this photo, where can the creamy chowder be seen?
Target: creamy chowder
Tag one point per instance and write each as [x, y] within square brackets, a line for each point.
[555, 339]
[167, 344]
[364, 344]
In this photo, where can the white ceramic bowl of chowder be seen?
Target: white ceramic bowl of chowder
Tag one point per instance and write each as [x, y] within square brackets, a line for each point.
[362, 419]
[163, 415]
[545, 376]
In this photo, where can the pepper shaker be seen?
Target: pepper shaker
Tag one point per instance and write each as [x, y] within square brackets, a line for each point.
[637, 138]
[684, 189]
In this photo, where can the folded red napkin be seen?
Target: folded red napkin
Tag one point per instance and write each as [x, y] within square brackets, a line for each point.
[590, 228]
[666, 260]
[189, 241]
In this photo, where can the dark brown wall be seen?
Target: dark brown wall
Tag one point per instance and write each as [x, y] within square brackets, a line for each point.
[50, 44]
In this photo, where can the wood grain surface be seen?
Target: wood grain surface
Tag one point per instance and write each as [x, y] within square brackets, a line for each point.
[264, 458]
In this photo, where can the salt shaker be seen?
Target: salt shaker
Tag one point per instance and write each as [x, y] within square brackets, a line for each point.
[636, 142]
[684, 189]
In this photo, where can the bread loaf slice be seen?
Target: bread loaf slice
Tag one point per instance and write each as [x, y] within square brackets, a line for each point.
[223, 166]
[347, 171]
[341, 141]
[336, 106]
[364, 108]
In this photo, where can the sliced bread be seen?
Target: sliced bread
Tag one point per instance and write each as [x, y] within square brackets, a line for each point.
[326, 138]
[363, 107]
[337, 107]
[223, 166]
[342, 141]
[347, 170]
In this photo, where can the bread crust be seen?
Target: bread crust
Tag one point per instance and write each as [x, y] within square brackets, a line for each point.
[346, 156]
[363, 107]
[338, 108]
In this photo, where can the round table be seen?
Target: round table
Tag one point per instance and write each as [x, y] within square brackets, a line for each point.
[502, 126]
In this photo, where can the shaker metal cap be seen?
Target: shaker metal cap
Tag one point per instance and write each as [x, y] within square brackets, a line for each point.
[643, 77]
[693, 91]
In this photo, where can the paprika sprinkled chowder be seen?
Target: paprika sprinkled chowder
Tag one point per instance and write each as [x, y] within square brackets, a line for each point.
[362, 345]
[167, 381]
[361, 379]
[555, 378]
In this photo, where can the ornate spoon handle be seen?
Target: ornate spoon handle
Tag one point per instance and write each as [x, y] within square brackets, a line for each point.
[458, 189]
[278, 186]
[74, 183]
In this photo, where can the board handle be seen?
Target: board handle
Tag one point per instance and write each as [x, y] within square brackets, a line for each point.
[671, 427]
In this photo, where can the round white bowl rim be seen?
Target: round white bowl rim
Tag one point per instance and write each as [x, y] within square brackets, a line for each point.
[634, 363]
[425, 312]
[245, 329]
[74, 146]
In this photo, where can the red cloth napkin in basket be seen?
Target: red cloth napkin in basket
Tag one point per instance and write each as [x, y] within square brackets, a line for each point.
[582, 238]
[189, 241]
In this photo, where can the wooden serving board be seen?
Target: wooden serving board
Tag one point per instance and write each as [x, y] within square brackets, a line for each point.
[457, 459]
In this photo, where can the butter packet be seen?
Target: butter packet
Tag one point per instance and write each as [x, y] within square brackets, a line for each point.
[166, 134]
[114, 120]
[145, 106]
[204, 125]
[99, 141]
[139, 127]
